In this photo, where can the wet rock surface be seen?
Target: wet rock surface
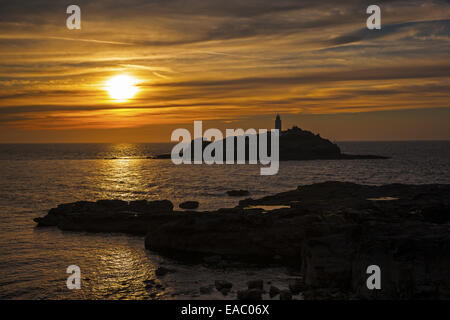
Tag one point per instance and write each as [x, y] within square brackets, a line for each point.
[330, 231]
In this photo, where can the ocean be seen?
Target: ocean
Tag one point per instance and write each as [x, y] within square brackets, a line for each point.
[37, 177]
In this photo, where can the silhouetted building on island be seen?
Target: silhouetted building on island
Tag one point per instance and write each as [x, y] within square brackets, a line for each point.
[278, 123]
[294, 144]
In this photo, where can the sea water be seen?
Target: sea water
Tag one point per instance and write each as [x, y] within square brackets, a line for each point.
[35, 178]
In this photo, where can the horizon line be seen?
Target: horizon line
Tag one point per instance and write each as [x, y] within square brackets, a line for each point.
[171, 142]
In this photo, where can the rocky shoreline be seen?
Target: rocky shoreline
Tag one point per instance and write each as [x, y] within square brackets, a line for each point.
[342, 156]
[295, 144]
[331, 232]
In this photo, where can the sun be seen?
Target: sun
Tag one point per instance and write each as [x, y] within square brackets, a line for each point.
[121, 87]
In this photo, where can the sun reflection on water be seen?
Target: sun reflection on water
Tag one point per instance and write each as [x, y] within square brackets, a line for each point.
[124, 177]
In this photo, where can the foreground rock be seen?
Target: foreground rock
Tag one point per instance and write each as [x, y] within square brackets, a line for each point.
[223, 286]
[255, 284]
[191, 205]
[296, 286]
[331, 231]
[285, 295]
[162, 271]
[250, 295]
[133, 217]
[274, 291]
[238, 193]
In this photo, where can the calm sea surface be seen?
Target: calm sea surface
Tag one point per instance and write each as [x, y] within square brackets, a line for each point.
[35, 178]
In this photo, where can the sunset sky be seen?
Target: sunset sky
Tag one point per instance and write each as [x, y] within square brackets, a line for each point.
[230, 63]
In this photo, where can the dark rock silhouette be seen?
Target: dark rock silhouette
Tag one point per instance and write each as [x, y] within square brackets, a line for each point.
[107, 216]
[295, 144]
[160, 156]
[255, 284]
[285, 295]
[274, 291]
[223, 284]
[296, 286]
[238, 193]
[189, 205]
[162, 271]
[330, 231]
[250, 295]
[205, 290]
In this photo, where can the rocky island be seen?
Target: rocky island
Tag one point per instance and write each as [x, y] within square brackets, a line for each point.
[297, 144]
[331, 232]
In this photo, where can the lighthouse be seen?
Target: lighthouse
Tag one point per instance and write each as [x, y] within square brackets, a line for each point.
[278, 123]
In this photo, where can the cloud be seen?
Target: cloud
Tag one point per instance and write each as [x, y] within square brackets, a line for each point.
[219, 59]
[420, 29]
[366, 74]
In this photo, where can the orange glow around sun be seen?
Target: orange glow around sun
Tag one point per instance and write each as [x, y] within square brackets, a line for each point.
[121, 88]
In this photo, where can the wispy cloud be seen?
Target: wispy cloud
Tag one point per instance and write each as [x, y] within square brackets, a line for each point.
[219, 60]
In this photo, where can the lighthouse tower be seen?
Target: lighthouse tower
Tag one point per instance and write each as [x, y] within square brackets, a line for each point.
[278, 123]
